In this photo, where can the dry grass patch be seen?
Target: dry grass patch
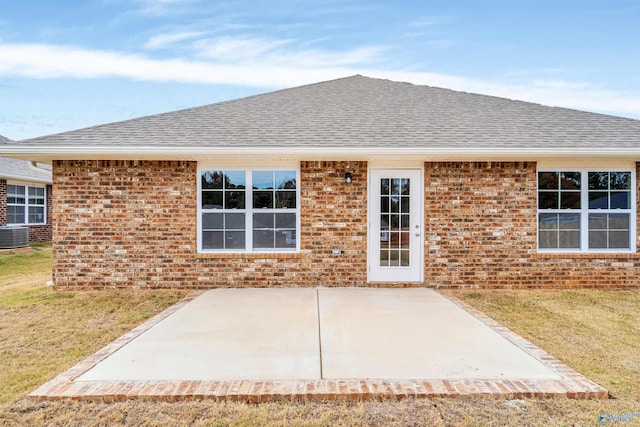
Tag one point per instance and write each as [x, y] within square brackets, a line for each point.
[43, 332]
[595, 332]
[408, 412]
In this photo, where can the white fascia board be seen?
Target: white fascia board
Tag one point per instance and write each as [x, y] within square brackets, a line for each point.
[194, 153]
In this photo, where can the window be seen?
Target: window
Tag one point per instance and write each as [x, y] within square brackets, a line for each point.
[586, 210]
[249, 210]
[25, 205]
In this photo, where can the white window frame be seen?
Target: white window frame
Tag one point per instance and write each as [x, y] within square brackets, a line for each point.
[26, 204]
[248, 210]
[584, 211]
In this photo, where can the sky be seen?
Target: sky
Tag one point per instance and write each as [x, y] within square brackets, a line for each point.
[68, 64]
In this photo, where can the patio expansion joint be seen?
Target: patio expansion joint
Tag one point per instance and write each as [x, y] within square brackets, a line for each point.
[64, 386]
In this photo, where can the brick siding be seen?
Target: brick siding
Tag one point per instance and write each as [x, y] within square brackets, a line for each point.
[133, 224]
[37, 233]
[481, 232]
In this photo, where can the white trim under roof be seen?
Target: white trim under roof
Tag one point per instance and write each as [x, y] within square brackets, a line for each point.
[49, 153]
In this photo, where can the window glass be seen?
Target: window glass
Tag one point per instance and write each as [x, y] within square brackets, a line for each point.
[609, 190]
[605, 223]
[598, 200]
[384, 186]
[286, 220]
[25, 205]
[16, 194]
[548, 180]
[213, 221]
[274, 230]
[234, 240]
[212, 199]
[234, 180]
[274, 189]
[609, 231]
[15, 215]
[285, 239]
[559, 190]
[212, 239]
[223, 230]
[620, 200]
[263, 199]
[36, 215]
[285, 199]
[598, 181]
[263, 180]
[263, 239]
[261, 220]
[36, 196]
[223, 190]
[395, 186]
[212, 180]
[570, 180]
[559, 231]
[234, 221]
[285, 180]
[271, 213]
[234, 200]
[548, 200]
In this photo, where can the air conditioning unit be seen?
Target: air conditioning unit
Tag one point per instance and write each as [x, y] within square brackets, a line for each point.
[14, 237]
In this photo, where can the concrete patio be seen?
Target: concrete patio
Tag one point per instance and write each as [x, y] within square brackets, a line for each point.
[318, 343]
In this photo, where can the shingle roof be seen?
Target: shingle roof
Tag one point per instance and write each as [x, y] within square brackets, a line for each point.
[21, 169]
[363, 113]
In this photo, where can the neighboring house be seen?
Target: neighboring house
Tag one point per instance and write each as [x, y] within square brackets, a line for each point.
[351, 182]
[25, 196]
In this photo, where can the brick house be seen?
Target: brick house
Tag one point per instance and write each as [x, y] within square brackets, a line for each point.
[351, 182]
[25, 196]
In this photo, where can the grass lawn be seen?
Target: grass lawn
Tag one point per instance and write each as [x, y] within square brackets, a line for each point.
[44, 332]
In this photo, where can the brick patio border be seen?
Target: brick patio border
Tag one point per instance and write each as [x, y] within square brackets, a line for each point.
[64, 386]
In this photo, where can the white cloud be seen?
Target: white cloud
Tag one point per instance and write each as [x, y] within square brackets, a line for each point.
[54, 61]
[581, 96]
[167, 39]
[256, 51]
[232, 49]
[320, 59]
[426, 22]
[271, 68]
[160, 7]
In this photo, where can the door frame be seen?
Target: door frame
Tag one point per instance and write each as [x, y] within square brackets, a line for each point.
[420, 218]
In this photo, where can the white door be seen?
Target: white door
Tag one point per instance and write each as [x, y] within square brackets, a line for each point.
[395, 225]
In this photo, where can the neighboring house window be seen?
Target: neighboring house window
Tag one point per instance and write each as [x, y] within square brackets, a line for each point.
[249, 210]
[583, 210]
[25, 204]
